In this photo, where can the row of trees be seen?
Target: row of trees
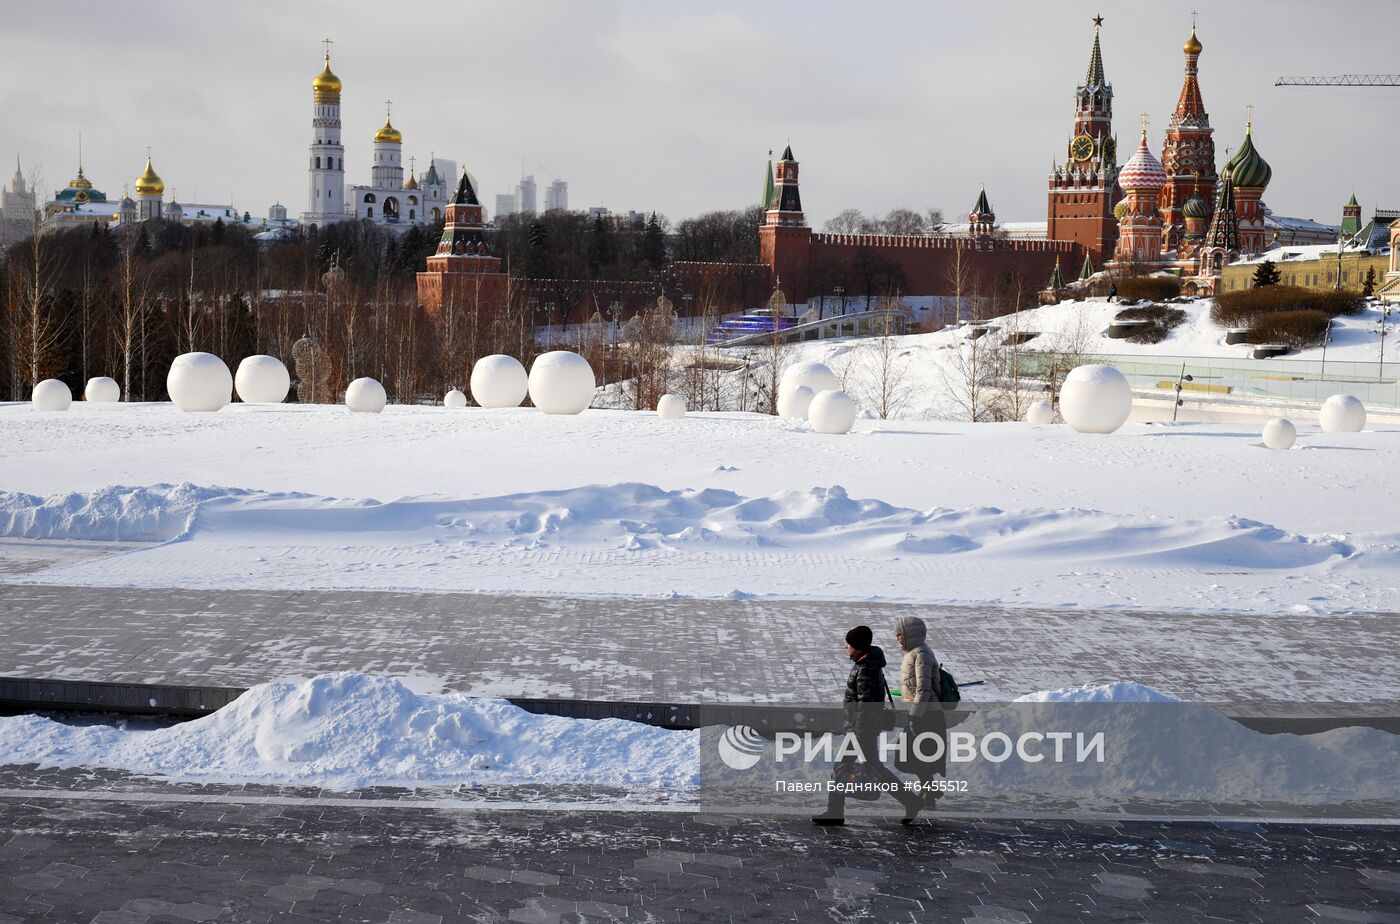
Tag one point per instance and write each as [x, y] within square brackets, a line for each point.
[895, 221]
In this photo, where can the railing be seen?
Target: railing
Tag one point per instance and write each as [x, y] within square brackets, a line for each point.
[1300, 381]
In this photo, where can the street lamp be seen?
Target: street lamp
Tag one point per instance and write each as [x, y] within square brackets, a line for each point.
[841, 294]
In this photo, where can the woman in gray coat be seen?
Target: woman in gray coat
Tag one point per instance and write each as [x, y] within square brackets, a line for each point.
[919, 688]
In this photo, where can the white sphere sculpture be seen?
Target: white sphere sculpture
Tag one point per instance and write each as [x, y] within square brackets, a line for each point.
[454, 399]
[52, 395]
[795, 401]
[499, 381]
[561, 382]
[670, 407]
[816, 376]
[1280, 433]
[262, 380]
[1343, 414]
[1096, 399]
[102, 390]
[366, 396]
[199, 382]
[1040, 412]
[832, 411]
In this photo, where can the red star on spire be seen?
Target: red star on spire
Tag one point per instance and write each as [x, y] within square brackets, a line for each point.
[1098, 21]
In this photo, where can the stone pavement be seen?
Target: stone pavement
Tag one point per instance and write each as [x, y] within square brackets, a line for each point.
[75, 847]
[681, 650]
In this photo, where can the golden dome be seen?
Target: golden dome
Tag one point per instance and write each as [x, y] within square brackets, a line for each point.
[388, 133]
[149, 182]
[80, 181]
[411, 183]
[326, 83]
[1193, 44]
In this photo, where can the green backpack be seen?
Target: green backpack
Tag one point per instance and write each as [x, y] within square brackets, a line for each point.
[947, 687]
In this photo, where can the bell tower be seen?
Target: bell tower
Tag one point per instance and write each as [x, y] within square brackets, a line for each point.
[326, 165]
[1083, 191]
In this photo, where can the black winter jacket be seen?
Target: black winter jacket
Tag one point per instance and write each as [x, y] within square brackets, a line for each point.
[866, 684]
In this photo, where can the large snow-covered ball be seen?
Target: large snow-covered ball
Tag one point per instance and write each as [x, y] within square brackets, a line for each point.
[1280, 433]
[454, 399]
[671, 407]
[816, 376]
[561, 382]
[102, 389]
[366, 396]
[262, 380]
[52, 395]
[832, 411]
[1343, 414]
[795, 401]
[199, 382]
[1040, 412]
[1096, 399]
[499, 381]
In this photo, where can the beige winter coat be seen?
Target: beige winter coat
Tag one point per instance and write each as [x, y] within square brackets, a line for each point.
[918, 674]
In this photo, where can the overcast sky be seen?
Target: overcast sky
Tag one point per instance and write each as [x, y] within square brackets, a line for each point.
[673, 106]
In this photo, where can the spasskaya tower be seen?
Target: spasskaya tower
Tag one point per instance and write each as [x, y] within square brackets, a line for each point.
[1084, 189]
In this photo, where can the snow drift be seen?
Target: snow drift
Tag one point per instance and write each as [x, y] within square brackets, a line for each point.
[349, 730]
[635, 517]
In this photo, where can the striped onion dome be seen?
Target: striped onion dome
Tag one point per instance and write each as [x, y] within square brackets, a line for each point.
[1142, 171]
[1247, 169]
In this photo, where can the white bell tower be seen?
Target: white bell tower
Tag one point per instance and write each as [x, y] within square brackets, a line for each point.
[326, 168]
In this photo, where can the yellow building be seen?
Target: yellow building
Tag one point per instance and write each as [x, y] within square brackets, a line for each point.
[1311, 267]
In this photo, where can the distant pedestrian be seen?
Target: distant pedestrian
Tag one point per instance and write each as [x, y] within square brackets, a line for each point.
[866, 718]
[919, 682]
[1113, 292]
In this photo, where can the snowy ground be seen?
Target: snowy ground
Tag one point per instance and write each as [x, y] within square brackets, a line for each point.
[929, 377]
[1197, 517]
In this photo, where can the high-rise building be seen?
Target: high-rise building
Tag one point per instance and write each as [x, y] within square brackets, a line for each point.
[556, 196]
[505, 204]
[525, 195]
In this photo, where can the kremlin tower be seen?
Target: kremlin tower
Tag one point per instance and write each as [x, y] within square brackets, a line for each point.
[1083, 191]
[463, 270]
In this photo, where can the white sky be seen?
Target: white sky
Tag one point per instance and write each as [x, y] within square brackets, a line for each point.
[673, 107]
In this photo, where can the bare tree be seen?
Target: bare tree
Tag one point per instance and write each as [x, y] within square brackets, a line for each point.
[885, 370]
[970, 377]
[959, 279]
[847, 221]
[130, 307]
[36, 325]
[775, 352]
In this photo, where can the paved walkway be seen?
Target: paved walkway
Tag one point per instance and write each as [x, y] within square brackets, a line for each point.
[77, 849]
[673, 650]
[686, 651]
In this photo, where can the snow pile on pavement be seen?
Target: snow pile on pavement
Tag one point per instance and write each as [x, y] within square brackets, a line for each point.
[349, 730]
[121, 514]
[1159, 747]
[1119, 691]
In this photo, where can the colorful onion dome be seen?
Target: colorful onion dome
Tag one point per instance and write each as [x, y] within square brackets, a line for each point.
[326, 86]
[1120, 209]
[1142, 171]
[149, 182]
[1247, 169]
[1196, 207]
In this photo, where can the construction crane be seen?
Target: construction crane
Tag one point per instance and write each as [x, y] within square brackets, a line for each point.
[1341, 80]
